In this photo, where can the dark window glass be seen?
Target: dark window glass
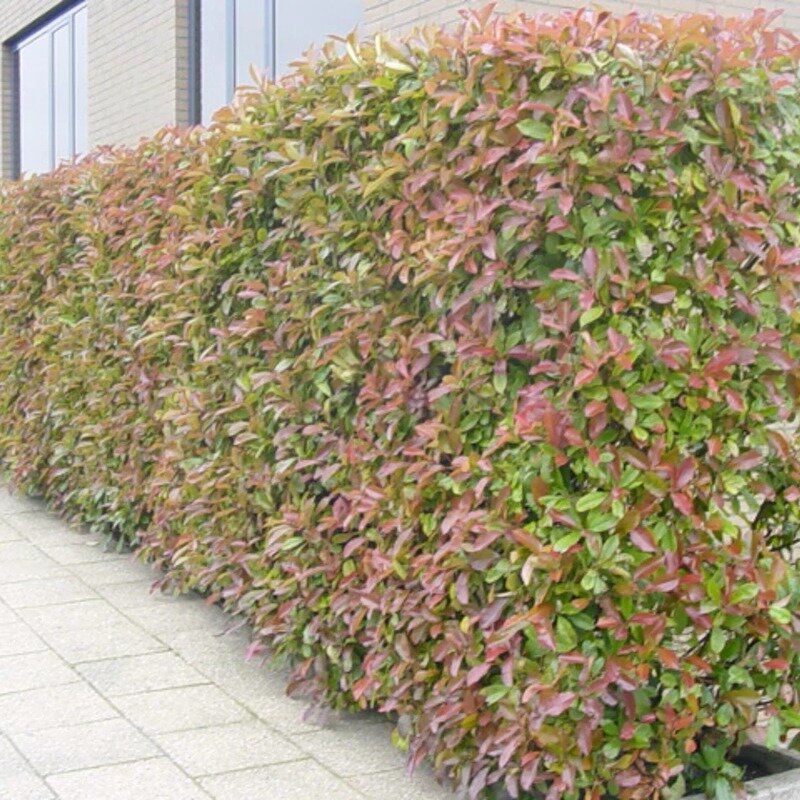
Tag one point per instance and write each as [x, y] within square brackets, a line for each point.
[52, 92]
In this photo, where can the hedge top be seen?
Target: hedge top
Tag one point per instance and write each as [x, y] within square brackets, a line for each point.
[467, 371]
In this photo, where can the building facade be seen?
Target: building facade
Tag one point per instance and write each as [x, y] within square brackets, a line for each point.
[80, 73]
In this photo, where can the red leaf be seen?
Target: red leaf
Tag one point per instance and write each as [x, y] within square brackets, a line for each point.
[643, 539]
[682, 503]
[590, 262]
[663, 295]
[728, 357]
[585, 376]
[628, 731]
[620, 400]
[734, 399]
[684, 473]
[564, 274]
[667, 584]
[628, 778]
[583, 735]
[476, 673]
[748, 460]
[557, 703]
[780, 359]
[669, 658]
[556, 224]
[489, 245]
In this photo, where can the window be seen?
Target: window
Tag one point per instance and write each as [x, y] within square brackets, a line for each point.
[302, 23]
[51, 68]
[234, 35]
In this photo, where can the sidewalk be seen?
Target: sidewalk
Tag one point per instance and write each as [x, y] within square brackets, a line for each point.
[110, 693]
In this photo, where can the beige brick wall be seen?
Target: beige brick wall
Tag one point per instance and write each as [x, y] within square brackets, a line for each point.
[137, 83]
[397, 16]
[138, 67]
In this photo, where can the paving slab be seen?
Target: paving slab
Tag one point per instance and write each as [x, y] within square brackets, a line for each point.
[181, 709]
[18, 550]
[94, 614]
[18, 781]
[138, 593]
[44, 592]
[35, 520]
[134, 674]
[154, 779]
[112, 570]
[77, 645]
[33, 671]
[261, 689]
[35, 567]
[91, 744]
[82, 550]
[352, 749]
[169, 615]
[7, 532]
[297, 780]
[16, 639]
[7, 616]
[12, 503]
[52, 707]
[223, 748]
[397, 785]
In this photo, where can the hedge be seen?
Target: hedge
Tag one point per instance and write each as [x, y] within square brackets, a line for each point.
[466, 371]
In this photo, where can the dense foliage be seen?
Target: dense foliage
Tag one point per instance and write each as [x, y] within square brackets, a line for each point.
[467, 371]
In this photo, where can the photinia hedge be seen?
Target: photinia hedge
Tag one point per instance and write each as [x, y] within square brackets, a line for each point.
[466, 370]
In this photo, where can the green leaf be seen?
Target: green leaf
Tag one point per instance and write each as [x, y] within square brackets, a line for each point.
[717, 640]
[565, 542]
[723, 789]
[791, 717]
[590, 501]
[534, 129]
[773, 732]
[590, 315]
[546, 80]
[495, 693]
[566, 637]
[647, 402]
[744, 592]
[583, 68]
[599, 521]
[780, 615]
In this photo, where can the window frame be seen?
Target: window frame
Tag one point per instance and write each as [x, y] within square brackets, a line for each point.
[62, 15]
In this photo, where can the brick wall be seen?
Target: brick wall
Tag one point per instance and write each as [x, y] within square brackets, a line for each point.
[138, 67]
[396, 16]
[137, 83]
